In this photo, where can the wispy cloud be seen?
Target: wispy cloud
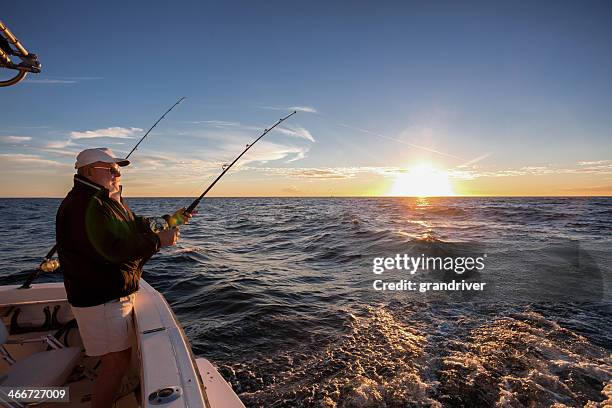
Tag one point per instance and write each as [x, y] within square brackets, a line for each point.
[427, 149]
[307, 109]
[319, 173]
[83, 78]
[60, 80]
[298, 156]
[297, 132]
[268, 151]
[594, 163]
[49, 81]
[58, 144]
[238, 128]
[155, 160]
[474, 161]
[15, 139]
[590, 163]
[114, 132]
[28, 159]
[599, 167]
[110, 132]
[59, 152]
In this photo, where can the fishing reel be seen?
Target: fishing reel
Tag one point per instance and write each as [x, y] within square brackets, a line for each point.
[158, 224]
[49, 265]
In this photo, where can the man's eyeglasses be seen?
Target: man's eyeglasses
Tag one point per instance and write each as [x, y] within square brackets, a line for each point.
[114, 171]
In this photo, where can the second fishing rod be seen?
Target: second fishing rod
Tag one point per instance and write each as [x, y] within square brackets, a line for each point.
[170, 221]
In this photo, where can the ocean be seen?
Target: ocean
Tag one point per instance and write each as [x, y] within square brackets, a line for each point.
[278, 293]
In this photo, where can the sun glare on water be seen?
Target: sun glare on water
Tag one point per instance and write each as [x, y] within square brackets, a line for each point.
[422, 181]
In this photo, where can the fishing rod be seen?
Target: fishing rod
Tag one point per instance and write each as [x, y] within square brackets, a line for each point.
[50, 265]
[155, 124]
[161, 223]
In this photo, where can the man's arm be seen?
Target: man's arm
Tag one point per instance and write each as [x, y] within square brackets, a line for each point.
[117, 240]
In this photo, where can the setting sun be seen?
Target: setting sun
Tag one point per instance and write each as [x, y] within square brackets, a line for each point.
[422, 181]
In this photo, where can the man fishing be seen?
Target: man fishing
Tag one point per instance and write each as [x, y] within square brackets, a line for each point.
[102, 247]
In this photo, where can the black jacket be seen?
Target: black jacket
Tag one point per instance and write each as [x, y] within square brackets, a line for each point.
[102, 246]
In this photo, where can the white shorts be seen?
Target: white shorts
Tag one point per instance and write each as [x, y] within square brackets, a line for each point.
[108, 327]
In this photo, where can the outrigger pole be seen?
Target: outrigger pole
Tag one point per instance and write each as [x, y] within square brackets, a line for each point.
[50, 265]
[166, 222]
[10, 46]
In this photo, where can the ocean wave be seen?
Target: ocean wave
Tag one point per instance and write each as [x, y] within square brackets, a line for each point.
[446, 212]
[398, 357]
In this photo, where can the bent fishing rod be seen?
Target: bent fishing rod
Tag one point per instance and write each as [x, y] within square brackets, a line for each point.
[162, 223]
[50, 265]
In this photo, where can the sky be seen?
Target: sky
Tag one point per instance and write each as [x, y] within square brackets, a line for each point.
[393, 98]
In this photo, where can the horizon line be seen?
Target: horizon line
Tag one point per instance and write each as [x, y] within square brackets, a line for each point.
[343, 196]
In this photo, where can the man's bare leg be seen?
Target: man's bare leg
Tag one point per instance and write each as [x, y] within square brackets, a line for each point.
[114, 366]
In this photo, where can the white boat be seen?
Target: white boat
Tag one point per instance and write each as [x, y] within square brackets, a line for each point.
[163, 370]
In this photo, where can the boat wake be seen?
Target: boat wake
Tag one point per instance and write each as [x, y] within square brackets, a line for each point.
[413, 355]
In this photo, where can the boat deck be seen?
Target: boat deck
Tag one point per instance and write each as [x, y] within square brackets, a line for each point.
[81, 385]
[39, 319]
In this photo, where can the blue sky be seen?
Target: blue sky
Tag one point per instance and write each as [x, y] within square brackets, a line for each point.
[525, 88]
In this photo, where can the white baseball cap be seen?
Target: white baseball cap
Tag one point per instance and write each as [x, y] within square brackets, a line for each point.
[98, 154]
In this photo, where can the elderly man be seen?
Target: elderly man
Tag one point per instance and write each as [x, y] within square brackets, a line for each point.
[102, 247]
